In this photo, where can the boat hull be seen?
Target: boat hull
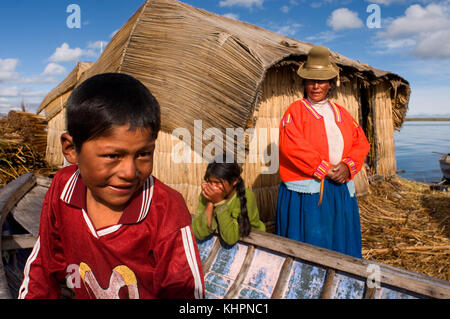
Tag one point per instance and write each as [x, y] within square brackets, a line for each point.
[260, 266]
[444, 163]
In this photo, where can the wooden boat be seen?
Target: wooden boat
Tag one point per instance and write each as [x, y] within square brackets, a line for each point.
[444, 162]
[260, 266]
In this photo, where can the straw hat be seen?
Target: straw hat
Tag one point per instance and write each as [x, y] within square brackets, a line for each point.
[318, 65]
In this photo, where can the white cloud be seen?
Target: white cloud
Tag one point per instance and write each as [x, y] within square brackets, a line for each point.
[323, 37]
[9, 92]
[65, 54]
[344, 18]
[318, 4]
[433, 44]
[285, 9]
[114, 33]
[425, 30]
[241, 3]
[11, 98]
[29, 92]
[9, 105]
[54, 69]
[97, 45]
[419, 19]
[386, 2]
[288, 30]
[94, 49]
[231, 16]
[389, 2]
[8, 69]
[37, 80]
[14, 92]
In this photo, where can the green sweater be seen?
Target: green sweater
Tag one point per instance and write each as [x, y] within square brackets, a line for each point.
[225, 218]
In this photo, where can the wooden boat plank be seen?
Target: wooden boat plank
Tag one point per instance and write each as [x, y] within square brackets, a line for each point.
[4, 289]
[234, 290]
[397, 277]
[306, 281]
[224, 270]
[263, 265]
[9, 196]
[43, 181]
[205, 247]
[370, 293]
[262, 275]
[28, 211]
[208, 250]
[14, 269]
[329, 286]
[18, 242]
[13, 192]
[283, 279]
[387, 293]
[348, 287]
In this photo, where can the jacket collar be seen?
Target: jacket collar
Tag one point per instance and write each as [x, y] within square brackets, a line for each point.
[317, 116]
[74, 194]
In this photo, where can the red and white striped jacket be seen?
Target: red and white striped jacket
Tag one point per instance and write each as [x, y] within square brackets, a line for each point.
[150, 253]
[304, 146]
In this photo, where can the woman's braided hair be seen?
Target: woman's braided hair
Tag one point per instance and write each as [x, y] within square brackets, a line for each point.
[231, 172]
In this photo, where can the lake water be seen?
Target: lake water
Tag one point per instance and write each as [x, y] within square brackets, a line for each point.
[414, 146]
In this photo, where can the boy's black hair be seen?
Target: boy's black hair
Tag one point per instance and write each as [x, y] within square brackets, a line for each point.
[231, 172]
[107, 100]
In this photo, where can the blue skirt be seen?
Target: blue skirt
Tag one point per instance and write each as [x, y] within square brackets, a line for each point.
[333, 225]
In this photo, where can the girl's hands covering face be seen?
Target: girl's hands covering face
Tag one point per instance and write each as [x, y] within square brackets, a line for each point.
[213, 192]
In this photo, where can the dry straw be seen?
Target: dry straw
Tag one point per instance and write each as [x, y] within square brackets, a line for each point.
[23, 140]
[407, 225]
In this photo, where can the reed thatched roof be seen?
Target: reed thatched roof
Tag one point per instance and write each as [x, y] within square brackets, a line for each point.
[65, 86]
[201, 66]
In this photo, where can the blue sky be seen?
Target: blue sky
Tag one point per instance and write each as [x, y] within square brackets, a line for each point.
[38, 49]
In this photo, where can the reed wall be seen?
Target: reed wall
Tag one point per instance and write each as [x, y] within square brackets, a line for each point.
[348, 96]
[56, 126]
[385, 161]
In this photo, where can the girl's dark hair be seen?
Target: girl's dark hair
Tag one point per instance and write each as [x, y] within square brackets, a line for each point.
[107, 100]
[231, 172]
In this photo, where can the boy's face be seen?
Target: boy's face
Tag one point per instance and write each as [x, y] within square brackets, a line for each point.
[115, 166]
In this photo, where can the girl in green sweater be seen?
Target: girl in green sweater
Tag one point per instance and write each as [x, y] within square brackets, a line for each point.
[225, 204]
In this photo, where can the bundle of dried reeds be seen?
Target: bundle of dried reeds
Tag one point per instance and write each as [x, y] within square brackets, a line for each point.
[406, 225]
[17, 159]
[27, 128]
[23, 140]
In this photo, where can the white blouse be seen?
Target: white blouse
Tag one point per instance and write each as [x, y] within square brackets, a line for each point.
[334, 135]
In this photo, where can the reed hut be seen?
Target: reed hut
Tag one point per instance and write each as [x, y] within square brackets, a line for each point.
[215, 78]
[54, 106]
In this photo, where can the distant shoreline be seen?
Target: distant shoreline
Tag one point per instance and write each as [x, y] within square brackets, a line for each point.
[431, 119]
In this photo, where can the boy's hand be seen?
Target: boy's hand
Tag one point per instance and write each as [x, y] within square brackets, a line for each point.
[213, 193]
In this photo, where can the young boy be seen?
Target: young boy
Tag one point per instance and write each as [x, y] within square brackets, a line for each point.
[108, 228]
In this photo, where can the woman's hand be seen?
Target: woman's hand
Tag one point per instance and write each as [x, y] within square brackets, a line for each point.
[339, 173]
[213, 193]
